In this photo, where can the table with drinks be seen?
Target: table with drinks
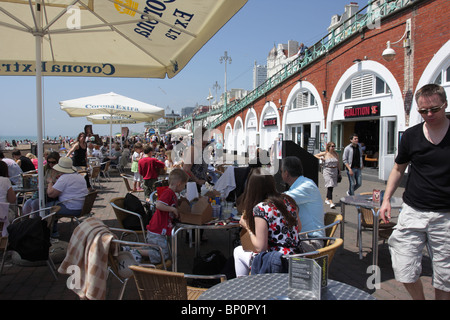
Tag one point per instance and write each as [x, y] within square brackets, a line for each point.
[224, 217]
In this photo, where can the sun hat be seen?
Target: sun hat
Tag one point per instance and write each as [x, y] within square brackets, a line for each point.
[65, 165]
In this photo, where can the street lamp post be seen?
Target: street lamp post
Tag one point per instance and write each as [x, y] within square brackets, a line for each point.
[227, 59]
[216, 86]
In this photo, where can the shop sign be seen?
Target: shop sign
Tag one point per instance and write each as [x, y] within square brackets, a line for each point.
[362, 110]
[270, 122]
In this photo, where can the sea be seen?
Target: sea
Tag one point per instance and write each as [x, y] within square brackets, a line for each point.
[26, 138]
[18, 138]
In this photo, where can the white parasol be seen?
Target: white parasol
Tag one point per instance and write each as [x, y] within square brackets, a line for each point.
[107, 119]
[108, 38]
[113, 104]
[179, 132]
[112, 119]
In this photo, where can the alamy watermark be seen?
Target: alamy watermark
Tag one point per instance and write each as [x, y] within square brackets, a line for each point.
[374, 280]
[203, 147]
[73, 282]
[73, 22]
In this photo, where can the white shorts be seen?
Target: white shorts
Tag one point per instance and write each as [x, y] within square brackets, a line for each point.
[160, 240]
[413, 231]
[137, 177]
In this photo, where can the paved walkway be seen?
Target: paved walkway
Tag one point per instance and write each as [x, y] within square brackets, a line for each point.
[25, 283]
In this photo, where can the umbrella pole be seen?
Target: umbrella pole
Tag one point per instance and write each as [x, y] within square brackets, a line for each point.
[40, 145]
[121, 143]
[110, 135]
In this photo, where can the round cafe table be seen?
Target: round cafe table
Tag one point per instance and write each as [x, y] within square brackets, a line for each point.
[275, 286]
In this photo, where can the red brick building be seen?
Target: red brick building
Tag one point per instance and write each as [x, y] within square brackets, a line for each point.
[350, 87]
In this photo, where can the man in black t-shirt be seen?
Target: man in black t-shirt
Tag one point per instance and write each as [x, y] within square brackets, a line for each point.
[425, 215]
[24, 163]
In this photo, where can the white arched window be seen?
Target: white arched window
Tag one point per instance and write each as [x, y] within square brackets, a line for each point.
[443, 78]
[303, 99]
[364, 85]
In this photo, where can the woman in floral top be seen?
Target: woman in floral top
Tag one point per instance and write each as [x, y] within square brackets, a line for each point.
[272, 223]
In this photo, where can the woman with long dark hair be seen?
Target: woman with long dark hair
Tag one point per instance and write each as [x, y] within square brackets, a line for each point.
[79, 157]
[79, 151]
[269, 217]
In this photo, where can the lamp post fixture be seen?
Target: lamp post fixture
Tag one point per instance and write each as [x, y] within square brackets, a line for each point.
[216, 86]
[227, 59]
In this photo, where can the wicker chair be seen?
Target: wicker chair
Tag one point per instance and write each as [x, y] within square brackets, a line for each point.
[115, 266]
[105, 170]
[86, 211]
[95, 176]
[365, 221]
[331, 222]
[153, 284]
[126, 179]
[328, 250]
[121, 213]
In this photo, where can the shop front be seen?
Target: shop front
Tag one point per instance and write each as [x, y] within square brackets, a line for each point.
[270, 126]
[303, 117]
[251, 133]
[368, 102]
[239, 137]
[377, 135]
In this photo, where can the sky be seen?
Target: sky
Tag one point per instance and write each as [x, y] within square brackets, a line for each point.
[247, 37]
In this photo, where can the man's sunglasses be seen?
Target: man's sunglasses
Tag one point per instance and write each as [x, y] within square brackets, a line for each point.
[433, 109]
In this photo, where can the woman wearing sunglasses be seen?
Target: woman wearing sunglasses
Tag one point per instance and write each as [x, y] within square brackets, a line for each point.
[330, 171]
[49, 174]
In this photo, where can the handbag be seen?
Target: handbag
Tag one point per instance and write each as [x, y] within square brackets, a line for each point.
[246, 242]
[339, 177]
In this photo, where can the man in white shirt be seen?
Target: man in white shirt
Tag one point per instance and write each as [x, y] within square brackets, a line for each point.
[70, 189]
[14, 170]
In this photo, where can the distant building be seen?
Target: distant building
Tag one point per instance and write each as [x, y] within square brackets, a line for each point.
[280, 55]
[259, 75]
[340, 21]
[201, 110]
[233, 95]
[186, 111]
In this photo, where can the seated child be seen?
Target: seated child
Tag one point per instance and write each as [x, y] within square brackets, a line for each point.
[161, 223]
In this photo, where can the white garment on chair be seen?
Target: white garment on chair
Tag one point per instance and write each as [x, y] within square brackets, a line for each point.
[226, 182]
[191, 191]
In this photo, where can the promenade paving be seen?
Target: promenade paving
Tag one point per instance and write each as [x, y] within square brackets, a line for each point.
[37, 283]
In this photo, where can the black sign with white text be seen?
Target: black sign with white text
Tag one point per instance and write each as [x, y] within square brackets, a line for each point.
[362, 110]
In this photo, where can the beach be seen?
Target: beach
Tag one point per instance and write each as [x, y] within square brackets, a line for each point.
[28, 144]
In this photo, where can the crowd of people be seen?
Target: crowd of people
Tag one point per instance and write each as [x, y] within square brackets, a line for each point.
[67, 175]
[276, 222]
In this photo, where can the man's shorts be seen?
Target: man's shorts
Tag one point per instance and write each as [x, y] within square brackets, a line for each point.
[413, 231]
[160, 240]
